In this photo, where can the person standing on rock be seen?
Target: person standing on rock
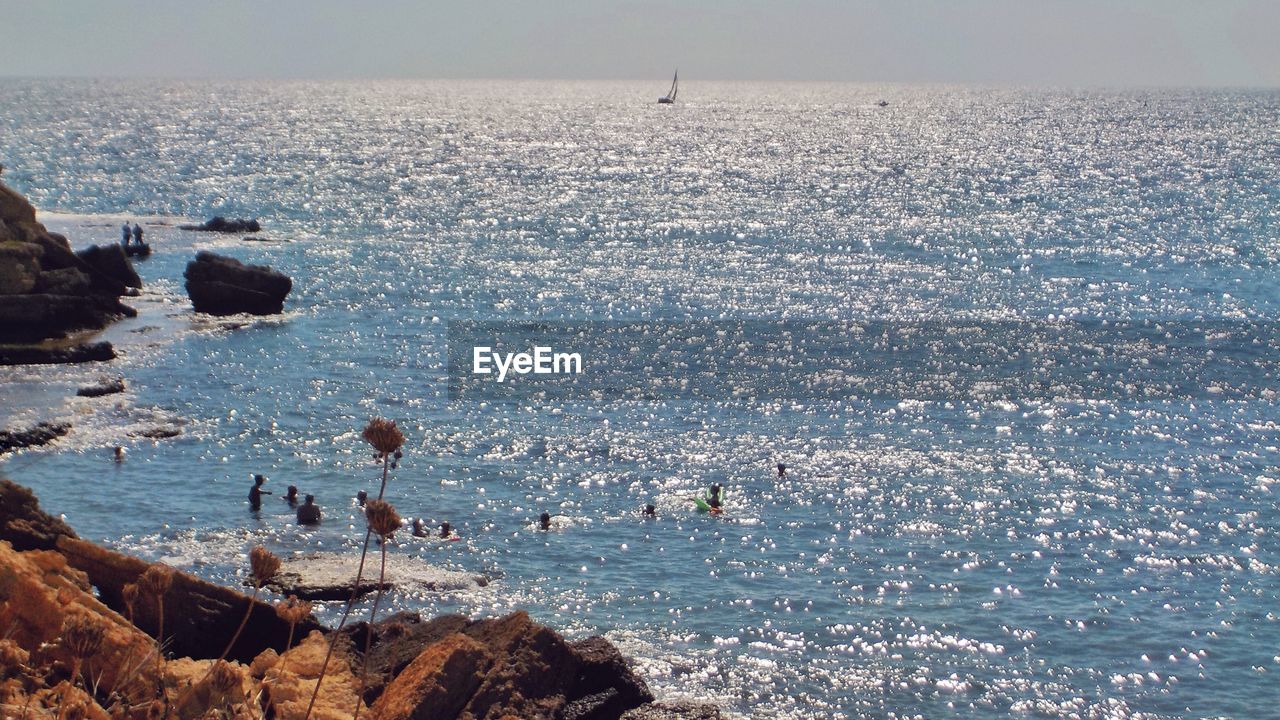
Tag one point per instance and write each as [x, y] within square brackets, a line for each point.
[137, 234]
[125, 233]
[256, 492]
[309, 512]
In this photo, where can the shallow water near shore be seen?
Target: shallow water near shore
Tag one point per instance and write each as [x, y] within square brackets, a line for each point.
[956, 544]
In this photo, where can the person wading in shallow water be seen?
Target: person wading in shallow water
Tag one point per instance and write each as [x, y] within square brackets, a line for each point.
[419, 530]
[256, 492]
[544, 521]
[291, 497]
[445, 531]
[309, 512]
[782, 470]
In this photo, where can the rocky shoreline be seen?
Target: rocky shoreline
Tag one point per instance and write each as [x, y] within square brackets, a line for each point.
[51, 292]
[56, 589]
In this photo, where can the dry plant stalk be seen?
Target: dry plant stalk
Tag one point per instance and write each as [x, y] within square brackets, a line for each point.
[383, 520]
[387, 440]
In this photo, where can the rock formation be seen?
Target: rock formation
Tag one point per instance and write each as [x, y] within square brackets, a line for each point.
[221, 224]
[66, 622]
[38, 434]
[219, 285]
[48, 290]
[328, 576]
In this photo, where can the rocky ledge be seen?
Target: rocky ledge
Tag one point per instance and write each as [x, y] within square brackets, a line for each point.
[77, 643]
[49, 291]
[329, 576]
[221, 224]
[220, 285]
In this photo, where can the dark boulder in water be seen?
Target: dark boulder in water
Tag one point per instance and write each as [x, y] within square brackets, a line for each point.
[219, 285]
[221, 224]
[112, 261]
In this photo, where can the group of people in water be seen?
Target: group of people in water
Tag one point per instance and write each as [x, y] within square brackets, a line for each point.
[309, 513]
[133, 234]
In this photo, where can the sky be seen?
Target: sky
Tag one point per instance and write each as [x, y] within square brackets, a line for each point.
[1076, 43]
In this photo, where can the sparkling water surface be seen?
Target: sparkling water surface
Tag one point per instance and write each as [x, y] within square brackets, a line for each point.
[1091, 554]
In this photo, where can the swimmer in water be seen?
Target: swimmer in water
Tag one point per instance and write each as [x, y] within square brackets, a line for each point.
[291, 496]
[309, 512]
[714, 497]
[544, 521]
[418, 529]
[445, 531]
[256, 492]
[119, 454]
[361, 497]
[782, 470]
[650, 511]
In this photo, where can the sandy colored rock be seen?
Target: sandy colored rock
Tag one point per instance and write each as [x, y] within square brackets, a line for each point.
[193, 690]
[288, 685]
[39, 593]
[438, 684]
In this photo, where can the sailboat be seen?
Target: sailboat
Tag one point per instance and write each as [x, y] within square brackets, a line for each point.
[670, 97]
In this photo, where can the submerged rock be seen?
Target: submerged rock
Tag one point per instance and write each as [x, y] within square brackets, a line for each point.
[221, 224]
[108, 386]
[673, 711]
[220, 285]
[39, 434]
[42, 355]
[329, 576]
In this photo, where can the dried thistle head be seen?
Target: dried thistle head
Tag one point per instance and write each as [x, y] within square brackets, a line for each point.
[383, 435]
[129, 593]
[293, 610]
[82, 636]
[383, 518]
[263, 565]
[223, 677]
[156, 580]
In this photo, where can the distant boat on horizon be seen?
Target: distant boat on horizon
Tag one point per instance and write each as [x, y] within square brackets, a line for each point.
[670, 97]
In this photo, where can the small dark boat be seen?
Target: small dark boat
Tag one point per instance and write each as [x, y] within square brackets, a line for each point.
[883, 103]
[136, 250]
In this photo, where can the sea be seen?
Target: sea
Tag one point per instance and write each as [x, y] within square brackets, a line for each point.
[1017, 349]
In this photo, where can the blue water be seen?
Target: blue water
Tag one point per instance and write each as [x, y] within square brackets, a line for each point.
[976, 545]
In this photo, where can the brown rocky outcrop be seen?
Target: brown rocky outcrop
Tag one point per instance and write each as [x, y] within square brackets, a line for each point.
[220, 285]
[447, 668]
[438, 684]
[40, 595]
[200, 617]
[50, 291]
[526, 670]
[23, 524]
